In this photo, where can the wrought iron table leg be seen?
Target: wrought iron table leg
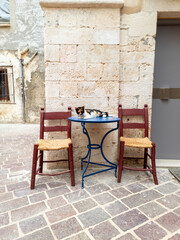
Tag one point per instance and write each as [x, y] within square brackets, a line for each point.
[102, 153]
[88, 155]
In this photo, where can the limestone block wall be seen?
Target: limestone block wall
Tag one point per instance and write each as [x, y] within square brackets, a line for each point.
[82, 67]
[99, 55]
[137, 51]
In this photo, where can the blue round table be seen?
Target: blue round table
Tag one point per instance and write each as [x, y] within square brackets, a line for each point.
[90, 146]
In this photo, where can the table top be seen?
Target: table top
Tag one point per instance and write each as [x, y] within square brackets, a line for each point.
[95, 120]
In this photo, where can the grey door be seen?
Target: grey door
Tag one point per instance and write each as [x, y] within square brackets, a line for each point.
[166, 91]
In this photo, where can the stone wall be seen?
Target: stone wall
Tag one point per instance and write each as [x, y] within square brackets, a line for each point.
[100, 57]
[137, 53]
[82, 67]
[25, 32]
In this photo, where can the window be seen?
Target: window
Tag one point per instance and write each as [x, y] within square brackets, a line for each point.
[6, 85]
[4, 13]
[4, 88]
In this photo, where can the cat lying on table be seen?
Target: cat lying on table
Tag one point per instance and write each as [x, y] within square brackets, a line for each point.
[89, 113]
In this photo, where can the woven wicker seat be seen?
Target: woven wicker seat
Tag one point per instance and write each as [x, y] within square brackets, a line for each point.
[137, 142]
[143, 142]
[53, 144]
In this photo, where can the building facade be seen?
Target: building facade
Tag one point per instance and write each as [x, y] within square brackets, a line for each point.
[21, 62]
[96, 53]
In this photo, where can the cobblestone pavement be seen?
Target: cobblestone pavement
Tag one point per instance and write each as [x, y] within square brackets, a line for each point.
[103, 210]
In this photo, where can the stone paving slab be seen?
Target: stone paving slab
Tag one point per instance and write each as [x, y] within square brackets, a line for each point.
[131, 210]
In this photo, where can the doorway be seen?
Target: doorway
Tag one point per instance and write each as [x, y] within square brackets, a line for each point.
[166, 91]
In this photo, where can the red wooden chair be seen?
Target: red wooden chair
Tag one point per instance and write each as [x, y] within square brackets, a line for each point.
[136, 142]
[52, 145]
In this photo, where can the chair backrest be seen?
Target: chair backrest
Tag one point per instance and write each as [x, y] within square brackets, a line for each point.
[55, 116]
[133, 112]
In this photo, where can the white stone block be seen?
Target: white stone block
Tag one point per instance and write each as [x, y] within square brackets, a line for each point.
[130, 73]
[81, 36]
[147, 44]
[135, 88]
[68, 89]
[51, 35]
[52, 89]
[51, 53]
[141, 24]
[146, 72]
[103, 72]
[128, 48]
[145, 99]
[67, 17]
[100, 89]
[137, 57]
[128, 101]
[106, 36]
[100, 17]
[52, 71]
[124, 37]
[98, 53]
[68, 53]
[72, 71]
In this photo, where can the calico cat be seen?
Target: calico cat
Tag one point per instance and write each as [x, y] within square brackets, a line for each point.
[89, 113]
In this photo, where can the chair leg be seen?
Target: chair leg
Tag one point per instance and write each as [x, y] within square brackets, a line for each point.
[120, 168]
[71, 165]
[153, 163]
[145, 158]
[41, 162]
[34, 165]
[68, 160]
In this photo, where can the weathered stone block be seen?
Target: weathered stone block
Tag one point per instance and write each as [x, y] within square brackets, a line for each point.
[135, 88]
[50, 17]
[141, 24]
[130, 73]
[66, 17]
[67, 231]
[61, 213]
[72, 71]
[146, 72]
[137, 57]
[32, 224]
[98, 53]
[51, 53]
[124, 36]
[68, 89]
[28, 211]
[51, 36]
[106, 36]
[52, 89]
[9, 232]
[150, 230]
[101, 72]
[68, 53]
[93, 217]
[84, 205]
[81, 36]
[101, 17]
[104, 231]
[65, 71]
[128, 48]
[100, 89]
[52, 71]
[129, 219]
[147, 44]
